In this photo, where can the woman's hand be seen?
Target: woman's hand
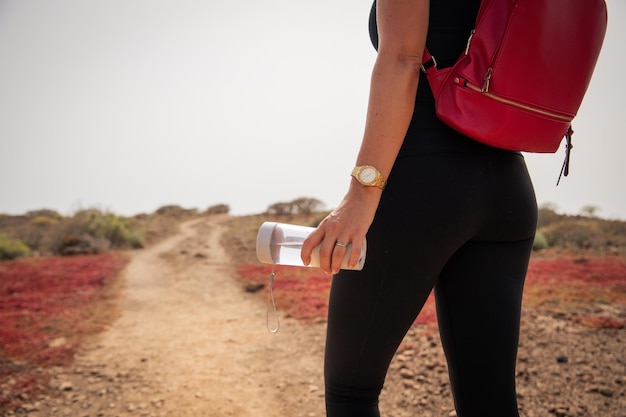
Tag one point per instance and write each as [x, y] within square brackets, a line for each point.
[348, 223]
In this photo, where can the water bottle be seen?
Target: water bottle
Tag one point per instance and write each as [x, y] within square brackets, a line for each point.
[281, 244]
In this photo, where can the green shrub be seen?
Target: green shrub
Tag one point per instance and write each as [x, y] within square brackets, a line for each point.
[177, 212]
[101, 230]
[218, 209]
[44, 213]
[43, 221]
[540, 241]
[119, 231]
[12, 248]
[575, 234]
[298, 206]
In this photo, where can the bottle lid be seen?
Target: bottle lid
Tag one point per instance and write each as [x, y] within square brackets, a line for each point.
[263, 242]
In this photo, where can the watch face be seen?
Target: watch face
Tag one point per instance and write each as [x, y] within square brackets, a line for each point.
[367, 175]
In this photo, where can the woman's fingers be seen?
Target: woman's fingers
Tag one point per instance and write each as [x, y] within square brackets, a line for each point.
[355, 254]
[332, 251]
[324, 237]
[339, 252]
[314, 239]
[327, 249]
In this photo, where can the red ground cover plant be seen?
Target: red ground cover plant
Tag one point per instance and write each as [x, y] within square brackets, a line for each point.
[46, 307]
[564, 284]
[574, 284]
[302, 293]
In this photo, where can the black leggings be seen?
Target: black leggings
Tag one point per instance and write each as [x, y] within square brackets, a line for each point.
[463, 224]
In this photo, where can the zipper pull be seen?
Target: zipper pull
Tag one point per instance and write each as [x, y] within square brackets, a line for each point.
[568, 151]
[469, 41]
[487, 81]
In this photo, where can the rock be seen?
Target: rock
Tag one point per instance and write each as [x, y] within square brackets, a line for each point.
[254, 287]
[410, 384]
[58, 342]
[29, 408]
[66, 386]
[406, 373]
[559, 410]
[601, 390]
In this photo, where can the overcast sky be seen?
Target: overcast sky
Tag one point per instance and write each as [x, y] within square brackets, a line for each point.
[129, 105]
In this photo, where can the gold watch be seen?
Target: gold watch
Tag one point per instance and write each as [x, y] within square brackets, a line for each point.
[369, 176]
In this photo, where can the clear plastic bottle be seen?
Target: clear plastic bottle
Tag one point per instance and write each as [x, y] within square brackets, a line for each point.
[281, 244]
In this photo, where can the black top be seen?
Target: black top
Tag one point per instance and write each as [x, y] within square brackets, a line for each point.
[450, 25]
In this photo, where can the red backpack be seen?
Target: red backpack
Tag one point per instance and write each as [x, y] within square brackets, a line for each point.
[524, 73]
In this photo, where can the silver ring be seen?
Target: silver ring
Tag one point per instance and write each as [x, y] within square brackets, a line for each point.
[343, 245]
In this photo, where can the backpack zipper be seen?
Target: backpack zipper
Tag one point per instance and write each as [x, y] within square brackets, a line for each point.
[484, 90]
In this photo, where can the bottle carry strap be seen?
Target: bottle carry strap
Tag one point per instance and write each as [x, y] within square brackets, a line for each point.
[272, 312]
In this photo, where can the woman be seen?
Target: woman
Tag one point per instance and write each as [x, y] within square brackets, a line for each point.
[441, 212]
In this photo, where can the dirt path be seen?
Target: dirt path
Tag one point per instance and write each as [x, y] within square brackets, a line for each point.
[190, 342]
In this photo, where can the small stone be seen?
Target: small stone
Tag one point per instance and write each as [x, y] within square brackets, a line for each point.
[409, 384]
[66, 386]
[29, 408]
[401, 358]
[606, 392]
[562, 359]
[406, 373]
[58, 342]
[253, 288]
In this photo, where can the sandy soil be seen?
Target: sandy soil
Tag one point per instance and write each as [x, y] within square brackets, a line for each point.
[191, 342]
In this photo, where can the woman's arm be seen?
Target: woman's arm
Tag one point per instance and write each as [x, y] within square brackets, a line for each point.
[402, 28]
